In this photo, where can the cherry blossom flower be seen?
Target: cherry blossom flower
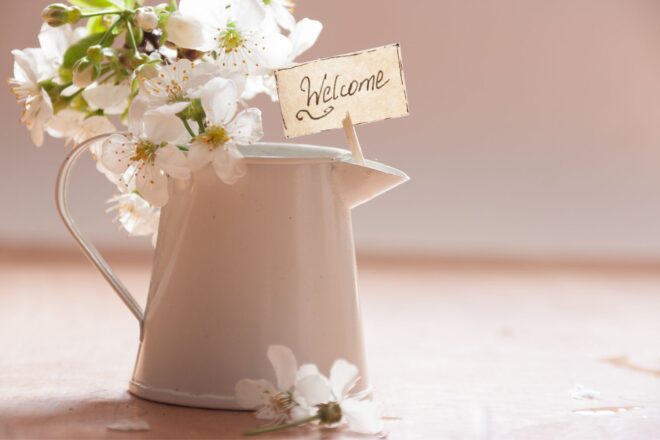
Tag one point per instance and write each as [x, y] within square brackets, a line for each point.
[272, 402]
[333, 403]
[306, 396]
[170, 91]
[37, 105]
[32, 67]
[76, 127]
[148, 155]
[135, 215]
[275, 402]
[232, 32]
[224, 130]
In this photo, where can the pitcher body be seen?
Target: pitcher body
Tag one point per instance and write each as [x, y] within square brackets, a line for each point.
[267, 260]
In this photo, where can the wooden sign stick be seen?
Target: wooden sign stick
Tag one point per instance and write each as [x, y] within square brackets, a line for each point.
[353, 140]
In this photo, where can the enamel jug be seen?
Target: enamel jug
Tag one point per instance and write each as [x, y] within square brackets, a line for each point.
[267, 260]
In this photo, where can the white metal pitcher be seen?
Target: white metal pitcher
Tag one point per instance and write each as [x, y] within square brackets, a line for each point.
[268, 260]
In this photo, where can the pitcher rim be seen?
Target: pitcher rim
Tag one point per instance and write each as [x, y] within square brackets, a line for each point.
[328, 155]
[281, 152]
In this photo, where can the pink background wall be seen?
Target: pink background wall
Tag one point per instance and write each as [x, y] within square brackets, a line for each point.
[535, 130]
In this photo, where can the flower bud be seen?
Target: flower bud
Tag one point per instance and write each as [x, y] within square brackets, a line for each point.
[146, 19]
[84, 73]
[138, 59]
[59, 14]
[95, 54]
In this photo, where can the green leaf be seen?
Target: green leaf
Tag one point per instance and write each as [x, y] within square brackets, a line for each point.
[79, 50]
[96, 4]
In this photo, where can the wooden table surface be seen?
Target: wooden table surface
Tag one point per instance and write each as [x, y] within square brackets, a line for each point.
[456, 351]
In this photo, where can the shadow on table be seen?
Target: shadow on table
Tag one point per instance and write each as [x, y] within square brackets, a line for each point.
[130, 417]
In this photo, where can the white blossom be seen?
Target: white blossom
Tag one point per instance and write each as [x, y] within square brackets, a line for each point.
[37, 105]
[172, 88]
[148, 155]
[135, 215]
[274, 402]
[232, 32]
[360, 415]
[224, 130]
[34, 66]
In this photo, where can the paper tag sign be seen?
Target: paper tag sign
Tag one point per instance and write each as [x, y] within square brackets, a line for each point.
[316, 96]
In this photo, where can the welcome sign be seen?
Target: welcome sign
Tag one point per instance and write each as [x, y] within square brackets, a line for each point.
[364, 87]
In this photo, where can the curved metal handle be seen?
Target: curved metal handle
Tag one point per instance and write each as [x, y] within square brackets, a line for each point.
[85, 245]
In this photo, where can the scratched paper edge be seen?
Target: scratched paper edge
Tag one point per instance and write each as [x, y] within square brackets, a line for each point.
[288, 135]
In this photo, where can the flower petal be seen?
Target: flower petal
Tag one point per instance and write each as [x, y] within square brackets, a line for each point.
[65, 123]
[314, 390]
[56, 40]
[247, 13]
[303, 36]
[136, 216]
[213, 12]
[93, 126]
[362, 416]
[285, 365]
[251, 394]
[187, 32]
[164, 128]
[136, 116]
[343, 376]
[116, 153]
[277, 50]
[228, 164]
[219, 100]
[265, 413]
[172, 160]
[107, 97]
[199, 155]
[306, 370]
[37, 114]
[200, 75]
[151, 183]
[247, 127]
[284, 17]
[168, 109]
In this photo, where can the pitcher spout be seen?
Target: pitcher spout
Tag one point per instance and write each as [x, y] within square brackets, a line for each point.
[359, 183]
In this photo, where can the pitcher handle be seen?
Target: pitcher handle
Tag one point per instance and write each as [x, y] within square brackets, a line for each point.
[86, 246]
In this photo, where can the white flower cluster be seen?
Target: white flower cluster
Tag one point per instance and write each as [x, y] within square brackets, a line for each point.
[303, 395]
[178, 76]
